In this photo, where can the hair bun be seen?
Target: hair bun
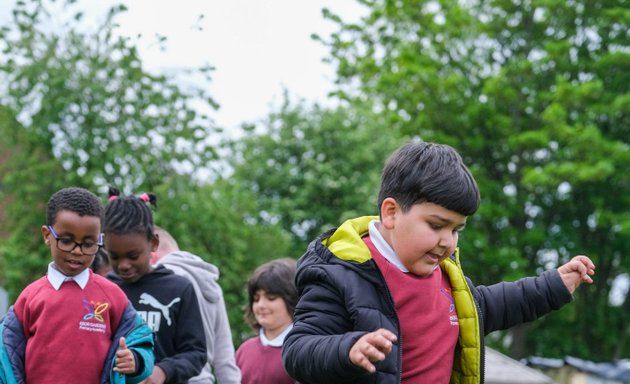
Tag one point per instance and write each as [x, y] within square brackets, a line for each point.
[112, 193]
[148, 197]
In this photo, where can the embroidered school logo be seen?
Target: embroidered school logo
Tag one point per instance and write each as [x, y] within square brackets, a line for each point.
[452, 317]
[94, 310]
[446, 292]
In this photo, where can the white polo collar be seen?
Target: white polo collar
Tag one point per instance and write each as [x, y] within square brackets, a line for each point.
[383, 247]
[277, 341]
[57, 278]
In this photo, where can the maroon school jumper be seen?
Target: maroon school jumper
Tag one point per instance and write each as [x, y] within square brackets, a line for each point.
[428, 321]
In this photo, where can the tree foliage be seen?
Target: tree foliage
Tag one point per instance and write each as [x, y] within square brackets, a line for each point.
[80, 109]
[87, 96]
[28, 176]
[311, 167]
[534, 94]
[89, 115]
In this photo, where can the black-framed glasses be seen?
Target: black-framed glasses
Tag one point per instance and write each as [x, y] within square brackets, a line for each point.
[88, 248]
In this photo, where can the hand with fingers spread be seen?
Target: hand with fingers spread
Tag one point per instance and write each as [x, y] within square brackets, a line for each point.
[577, 271]
[125, 359]
[372, 347]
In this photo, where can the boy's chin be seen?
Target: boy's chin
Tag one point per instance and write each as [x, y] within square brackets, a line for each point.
[128, 277]
[71, 270]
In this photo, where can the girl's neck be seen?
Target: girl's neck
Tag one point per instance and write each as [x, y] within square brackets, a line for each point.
[271, 334]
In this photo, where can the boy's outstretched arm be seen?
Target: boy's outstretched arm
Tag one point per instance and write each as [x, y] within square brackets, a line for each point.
[125, 359]
[577, 271]
[372, 347]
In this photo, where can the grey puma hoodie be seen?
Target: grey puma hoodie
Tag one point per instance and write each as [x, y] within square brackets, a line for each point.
[204, 277]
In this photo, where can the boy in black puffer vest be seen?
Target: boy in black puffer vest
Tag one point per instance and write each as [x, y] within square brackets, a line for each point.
[383, 299]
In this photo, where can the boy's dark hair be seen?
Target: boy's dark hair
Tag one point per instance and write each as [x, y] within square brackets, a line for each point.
[420, 172]
[129, 214]
[73, 199]
[276, 277]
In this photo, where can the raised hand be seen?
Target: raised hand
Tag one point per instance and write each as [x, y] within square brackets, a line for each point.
[125, 359]
[577, 271]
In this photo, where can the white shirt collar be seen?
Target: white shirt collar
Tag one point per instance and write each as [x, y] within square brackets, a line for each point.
[383, 247]
[57, 278]
[277, 341]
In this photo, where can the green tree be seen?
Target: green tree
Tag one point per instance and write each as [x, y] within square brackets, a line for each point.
[89, 115]
[87, 97]
[534, 95]
[28, 176]
[312, 167]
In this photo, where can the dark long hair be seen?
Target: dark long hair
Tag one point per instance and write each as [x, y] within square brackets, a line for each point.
[276, 277]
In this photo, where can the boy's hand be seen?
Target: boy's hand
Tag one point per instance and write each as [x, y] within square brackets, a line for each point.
[372, 347]
[125, 360]
[577, 271]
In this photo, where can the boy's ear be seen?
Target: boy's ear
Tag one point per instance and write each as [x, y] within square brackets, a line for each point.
[155, 242]
[45, 233]
[389, 209]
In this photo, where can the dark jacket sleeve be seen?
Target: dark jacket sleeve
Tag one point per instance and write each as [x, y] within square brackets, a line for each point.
[505, 305]
[317, 349]
[12, 349]
[190, 342]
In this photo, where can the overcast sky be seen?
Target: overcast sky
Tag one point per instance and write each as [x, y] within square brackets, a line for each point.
[257, 46]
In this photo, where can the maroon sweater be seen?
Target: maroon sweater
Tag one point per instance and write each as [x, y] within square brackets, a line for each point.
[69, 331]
[428, 321]
[261, 364]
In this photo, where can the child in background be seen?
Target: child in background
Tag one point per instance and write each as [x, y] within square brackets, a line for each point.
[383, 299]
[272, 298]
[204, 276]
[100, 265]
[166, 301]
[74, 326]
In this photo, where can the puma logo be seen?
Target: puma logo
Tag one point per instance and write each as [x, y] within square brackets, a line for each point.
[147, 299]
